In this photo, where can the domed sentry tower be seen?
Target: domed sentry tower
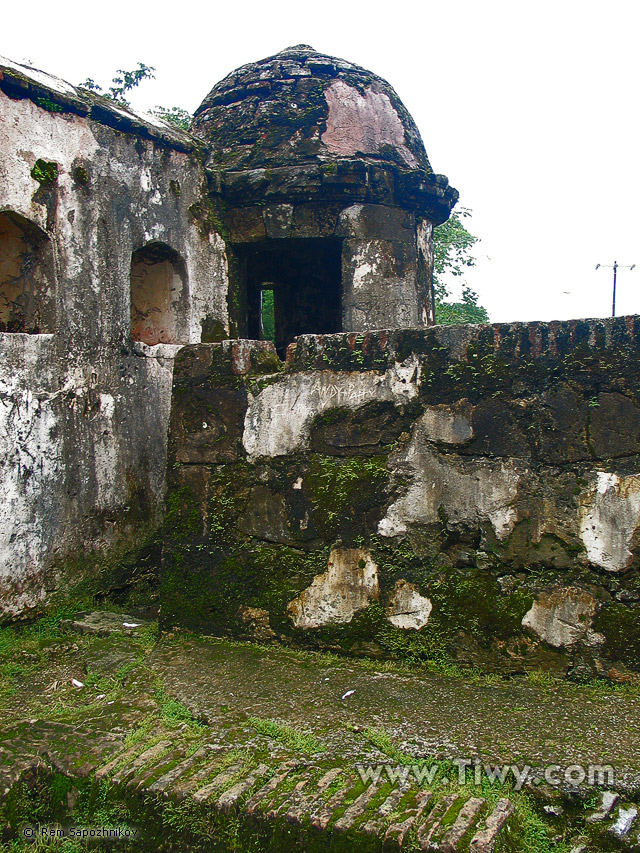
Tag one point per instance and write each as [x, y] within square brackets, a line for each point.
[329, 199]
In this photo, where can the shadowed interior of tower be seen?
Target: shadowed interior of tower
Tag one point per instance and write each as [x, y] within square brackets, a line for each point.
[305, 278]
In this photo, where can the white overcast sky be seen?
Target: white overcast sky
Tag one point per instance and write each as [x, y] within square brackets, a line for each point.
[531, 109]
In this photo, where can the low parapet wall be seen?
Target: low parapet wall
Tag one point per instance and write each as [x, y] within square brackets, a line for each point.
[467, 493]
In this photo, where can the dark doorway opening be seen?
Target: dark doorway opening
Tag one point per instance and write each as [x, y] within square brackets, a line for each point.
[293, 287]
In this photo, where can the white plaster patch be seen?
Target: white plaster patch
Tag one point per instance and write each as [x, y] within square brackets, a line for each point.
[349, 584]
[30, 465]
[156, 232]
[156, 121]
[363, 123]
[29, 133]
[48, 80]
[404, 378]
[562, 617]
[145, 179]
[448, 424]
[469, 492]
[608, 517]
[406, 608]
[279, 418]
[362, 274]
[107, 405]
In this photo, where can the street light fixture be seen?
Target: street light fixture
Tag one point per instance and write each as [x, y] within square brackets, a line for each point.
[615, 266]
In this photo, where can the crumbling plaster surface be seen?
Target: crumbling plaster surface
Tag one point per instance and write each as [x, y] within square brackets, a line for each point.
[349, 584]
[490, 473]
[609, 517]
[363, 123]
[468, 493]
[407, 608]
[380, 280]
[563, 617]
[382, 268]
[279, 418]
[84, 412]
[31, 466]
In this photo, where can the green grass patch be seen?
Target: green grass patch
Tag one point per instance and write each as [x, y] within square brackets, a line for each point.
[174, 713]
[287, 735]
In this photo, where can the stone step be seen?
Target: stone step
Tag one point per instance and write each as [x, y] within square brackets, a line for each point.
[231, 797]
[357, 808]
[24, 767]
[608, 800]
[303, 805]
[320, 819]
[484, 841]
[219, 781]
[466, 818]
[190, 781]
[138, 763]
[375, 824]
[397, 832]
[269, 787]
[150, 771]
[431, 825]
[107, 769]
[279, 805]
[625, 819]
[163, 782]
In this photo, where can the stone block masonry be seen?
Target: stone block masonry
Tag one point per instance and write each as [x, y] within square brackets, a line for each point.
[453, 493]
[103, 273]
[302, 200]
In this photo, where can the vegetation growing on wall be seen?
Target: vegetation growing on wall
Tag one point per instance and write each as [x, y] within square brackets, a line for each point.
[453, 255]
[125, 82]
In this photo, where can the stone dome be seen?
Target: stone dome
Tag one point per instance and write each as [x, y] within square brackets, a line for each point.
[300, 105]
[301, 108]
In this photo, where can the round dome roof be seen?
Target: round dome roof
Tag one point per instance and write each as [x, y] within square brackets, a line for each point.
[301, 106]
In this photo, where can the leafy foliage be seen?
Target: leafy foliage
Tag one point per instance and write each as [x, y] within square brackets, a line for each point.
[453, 255]
[174, 115]
[267, 316]
[122, 83]
[125, 81]
[466, 311]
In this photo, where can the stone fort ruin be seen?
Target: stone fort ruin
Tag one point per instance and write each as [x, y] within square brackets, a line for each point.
[358, 478]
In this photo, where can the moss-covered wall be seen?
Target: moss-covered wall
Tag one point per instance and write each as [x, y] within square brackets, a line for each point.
[467, 494]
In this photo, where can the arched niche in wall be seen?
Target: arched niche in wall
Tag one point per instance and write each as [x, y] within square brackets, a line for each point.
[158, 295]
[27, 276]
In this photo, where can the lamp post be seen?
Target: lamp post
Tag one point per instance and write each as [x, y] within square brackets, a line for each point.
[615, 266]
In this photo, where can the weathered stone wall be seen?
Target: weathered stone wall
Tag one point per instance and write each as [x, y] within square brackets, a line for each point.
[467, 493]
[84, 409]
[386, 259]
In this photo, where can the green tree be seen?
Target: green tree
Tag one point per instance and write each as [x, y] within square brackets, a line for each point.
[122, 83]
[125, 81]
[453, 254]
[267, 315]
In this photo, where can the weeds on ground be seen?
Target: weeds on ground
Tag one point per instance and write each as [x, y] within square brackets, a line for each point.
[287, 735]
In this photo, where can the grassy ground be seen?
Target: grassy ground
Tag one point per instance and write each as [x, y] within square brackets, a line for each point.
[274, 704]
